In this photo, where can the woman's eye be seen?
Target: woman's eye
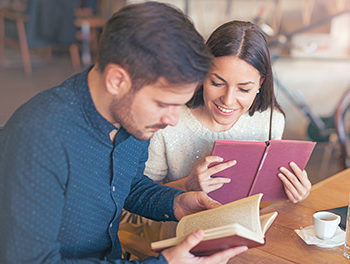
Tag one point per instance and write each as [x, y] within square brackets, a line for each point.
[244, 90]
[162, 105]
[216, 83]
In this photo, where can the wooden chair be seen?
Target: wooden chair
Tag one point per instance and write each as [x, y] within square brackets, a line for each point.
[88, 36]
[342, 124]
[26, 35]
[134, 246]
[16, 29]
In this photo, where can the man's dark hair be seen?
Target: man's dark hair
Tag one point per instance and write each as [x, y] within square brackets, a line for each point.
[246, 41]
[152, 40]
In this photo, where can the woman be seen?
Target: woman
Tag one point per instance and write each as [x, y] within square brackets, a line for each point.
[234, 103]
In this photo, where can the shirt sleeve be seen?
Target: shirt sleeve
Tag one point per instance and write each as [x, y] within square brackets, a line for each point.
[150, 199]
[156, 165]
[33, 176]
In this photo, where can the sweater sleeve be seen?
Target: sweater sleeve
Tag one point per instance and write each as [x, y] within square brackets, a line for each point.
[156, 165]
[278, 124]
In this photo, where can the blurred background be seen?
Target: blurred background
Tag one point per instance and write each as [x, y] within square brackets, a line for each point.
[43, 42]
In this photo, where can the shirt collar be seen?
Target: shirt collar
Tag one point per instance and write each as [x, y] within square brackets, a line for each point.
[93, 117]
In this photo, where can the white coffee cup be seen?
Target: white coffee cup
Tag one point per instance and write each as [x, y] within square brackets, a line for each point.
[325, 224]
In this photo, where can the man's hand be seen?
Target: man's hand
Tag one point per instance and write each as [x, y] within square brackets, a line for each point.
[181, 253]
[192, 202]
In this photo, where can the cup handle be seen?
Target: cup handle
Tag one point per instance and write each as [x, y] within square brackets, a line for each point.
[338, 220]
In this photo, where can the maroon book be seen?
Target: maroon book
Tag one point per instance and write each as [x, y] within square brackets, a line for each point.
[257, 167]
[209, 247]
[238, 223]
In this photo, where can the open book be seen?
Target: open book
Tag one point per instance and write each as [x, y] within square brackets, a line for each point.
[257, 167]
[234, 224]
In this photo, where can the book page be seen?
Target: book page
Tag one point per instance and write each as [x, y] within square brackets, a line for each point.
[266, 221]
[244, 212]
[230, 230]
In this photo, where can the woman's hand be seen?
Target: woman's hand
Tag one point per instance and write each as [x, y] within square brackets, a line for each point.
[296, 185]
[200, 177]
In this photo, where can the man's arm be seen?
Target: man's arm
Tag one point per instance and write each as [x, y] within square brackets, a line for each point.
[150, 199]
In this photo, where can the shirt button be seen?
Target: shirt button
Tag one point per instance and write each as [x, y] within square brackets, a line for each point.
[166, 216]
[112, 134]
[113, 188]
[110, 225]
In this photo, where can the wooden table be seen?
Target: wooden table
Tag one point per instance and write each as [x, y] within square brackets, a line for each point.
[283, 245]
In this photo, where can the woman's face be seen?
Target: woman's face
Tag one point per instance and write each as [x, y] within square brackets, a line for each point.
[228, 91]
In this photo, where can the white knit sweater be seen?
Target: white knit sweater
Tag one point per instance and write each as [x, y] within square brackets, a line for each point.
[174, 151]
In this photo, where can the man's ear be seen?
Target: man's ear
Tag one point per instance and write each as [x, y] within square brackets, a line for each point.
[117, 80]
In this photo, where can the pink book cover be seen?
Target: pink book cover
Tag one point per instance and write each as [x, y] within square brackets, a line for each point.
[257, 167]
[248, 155]
[279, 153]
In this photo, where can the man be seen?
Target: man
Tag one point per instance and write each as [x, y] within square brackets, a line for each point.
[73, 156]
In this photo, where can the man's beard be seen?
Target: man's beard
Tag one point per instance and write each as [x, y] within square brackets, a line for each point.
[120, 110]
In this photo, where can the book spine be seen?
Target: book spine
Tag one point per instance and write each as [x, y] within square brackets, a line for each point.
[259, 168]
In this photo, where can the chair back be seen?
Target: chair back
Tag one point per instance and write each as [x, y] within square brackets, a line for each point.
[342, 124]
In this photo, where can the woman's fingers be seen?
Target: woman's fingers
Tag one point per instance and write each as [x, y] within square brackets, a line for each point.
[210, 188]
[211, 159]
[297, 185]
[301, 174]
[220, 167]
[289, 189]
[202, 174]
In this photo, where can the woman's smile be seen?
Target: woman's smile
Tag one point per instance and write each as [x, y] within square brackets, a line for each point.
[224, 110]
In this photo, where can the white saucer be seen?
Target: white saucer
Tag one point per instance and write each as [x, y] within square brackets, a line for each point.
[308, 235]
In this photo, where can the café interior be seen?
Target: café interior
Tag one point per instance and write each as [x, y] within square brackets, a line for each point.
[309, 42]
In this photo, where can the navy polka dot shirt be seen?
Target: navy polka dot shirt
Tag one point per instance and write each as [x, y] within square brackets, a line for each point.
[63, 182]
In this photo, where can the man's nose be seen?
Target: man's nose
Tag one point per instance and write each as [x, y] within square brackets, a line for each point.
[172, 116]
